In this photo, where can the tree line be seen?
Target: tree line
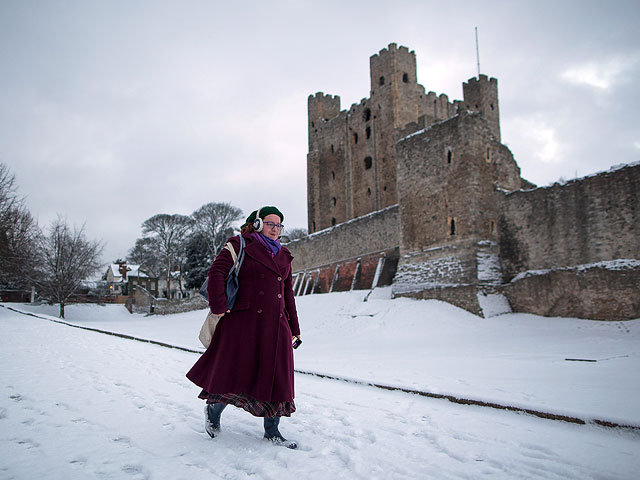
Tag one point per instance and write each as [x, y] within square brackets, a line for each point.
[188, 244]
[54, 261]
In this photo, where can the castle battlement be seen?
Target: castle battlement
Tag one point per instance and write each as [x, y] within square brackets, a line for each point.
[482, 79]
[353, 166]
[393, 47]
[410, 189]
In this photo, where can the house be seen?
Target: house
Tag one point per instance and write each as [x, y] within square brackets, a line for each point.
[122, 276]
[178, 286]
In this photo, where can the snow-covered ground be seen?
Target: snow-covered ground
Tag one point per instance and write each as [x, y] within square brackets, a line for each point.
[80, 404]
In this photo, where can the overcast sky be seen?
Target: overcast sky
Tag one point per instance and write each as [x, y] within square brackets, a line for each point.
[114, 111]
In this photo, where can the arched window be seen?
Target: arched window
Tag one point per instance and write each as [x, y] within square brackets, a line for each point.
[405, 78]
[381, 81]
[452, 226]
[368, 132]
[334, 201]
[333, 221]
[366, 115]
[368, 163]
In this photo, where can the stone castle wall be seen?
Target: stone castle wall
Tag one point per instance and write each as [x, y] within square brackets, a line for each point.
[408, 187]
[585, 221]
[371, 234]
[562, 247]
[351, 165]
[359, 254]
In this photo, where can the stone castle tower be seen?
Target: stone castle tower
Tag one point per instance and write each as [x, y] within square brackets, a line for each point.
[411, 190]
[351, 165]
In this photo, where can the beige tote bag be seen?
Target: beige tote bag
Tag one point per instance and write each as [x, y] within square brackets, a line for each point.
[210, 323]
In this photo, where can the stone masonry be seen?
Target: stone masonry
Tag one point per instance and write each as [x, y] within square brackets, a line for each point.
[409, 189]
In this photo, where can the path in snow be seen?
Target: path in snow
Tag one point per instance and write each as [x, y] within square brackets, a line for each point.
[79, 404]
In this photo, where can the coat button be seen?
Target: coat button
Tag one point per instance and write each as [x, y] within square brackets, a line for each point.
[259, 310]
[279, 296]
[279, 279]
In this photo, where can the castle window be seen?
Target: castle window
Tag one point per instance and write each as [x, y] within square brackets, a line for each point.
[492, 227]
[405, 78]
[452, 226]
[449, 156]
[314, 226]
[368, 192]
[355, 138]
[332, 150]
[491, 106]
[334, 201]
[381, 81]
[488, 155]
[384, 188]
[333, 175]
[313, 124]
[333, 221]
[367, 115]
[368, 162]
[368, 131]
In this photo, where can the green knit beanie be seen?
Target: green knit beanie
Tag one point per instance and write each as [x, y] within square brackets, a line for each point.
[264, 211]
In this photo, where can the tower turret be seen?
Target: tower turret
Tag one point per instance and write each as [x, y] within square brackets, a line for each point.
[321, 107]
[392, 66]
[481, 95]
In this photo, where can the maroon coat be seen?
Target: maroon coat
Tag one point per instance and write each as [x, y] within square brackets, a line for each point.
[251, 349]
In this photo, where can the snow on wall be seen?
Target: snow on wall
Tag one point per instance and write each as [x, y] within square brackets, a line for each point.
[618, 264]
[489, 269]
[441, 272]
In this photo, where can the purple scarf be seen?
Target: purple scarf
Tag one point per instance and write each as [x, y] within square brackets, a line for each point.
[273, 246]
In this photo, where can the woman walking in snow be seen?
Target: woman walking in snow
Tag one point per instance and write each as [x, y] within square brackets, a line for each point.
[249, 363]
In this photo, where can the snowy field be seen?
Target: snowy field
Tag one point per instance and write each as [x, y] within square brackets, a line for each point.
[81, 404]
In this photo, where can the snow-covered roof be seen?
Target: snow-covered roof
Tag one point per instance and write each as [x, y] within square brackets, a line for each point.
[132, 271]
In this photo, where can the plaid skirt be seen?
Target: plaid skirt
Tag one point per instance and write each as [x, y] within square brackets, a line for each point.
[255, 407]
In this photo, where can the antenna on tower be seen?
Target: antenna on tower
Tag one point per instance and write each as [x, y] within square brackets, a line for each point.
[477, 52]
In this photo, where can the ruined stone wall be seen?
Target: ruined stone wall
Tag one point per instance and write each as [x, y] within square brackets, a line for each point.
[375, 232]
[584, 221]
[601, 292]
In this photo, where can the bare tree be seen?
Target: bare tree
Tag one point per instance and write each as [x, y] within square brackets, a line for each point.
[66, 259]
[146, 252]
[215, 222]
[18, 233]
[169, 232]
[293, 234]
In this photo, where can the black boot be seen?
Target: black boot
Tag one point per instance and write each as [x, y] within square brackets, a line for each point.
[272, 433]
[212, 412]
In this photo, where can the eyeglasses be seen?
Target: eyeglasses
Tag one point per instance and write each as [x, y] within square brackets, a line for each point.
[279, 226]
